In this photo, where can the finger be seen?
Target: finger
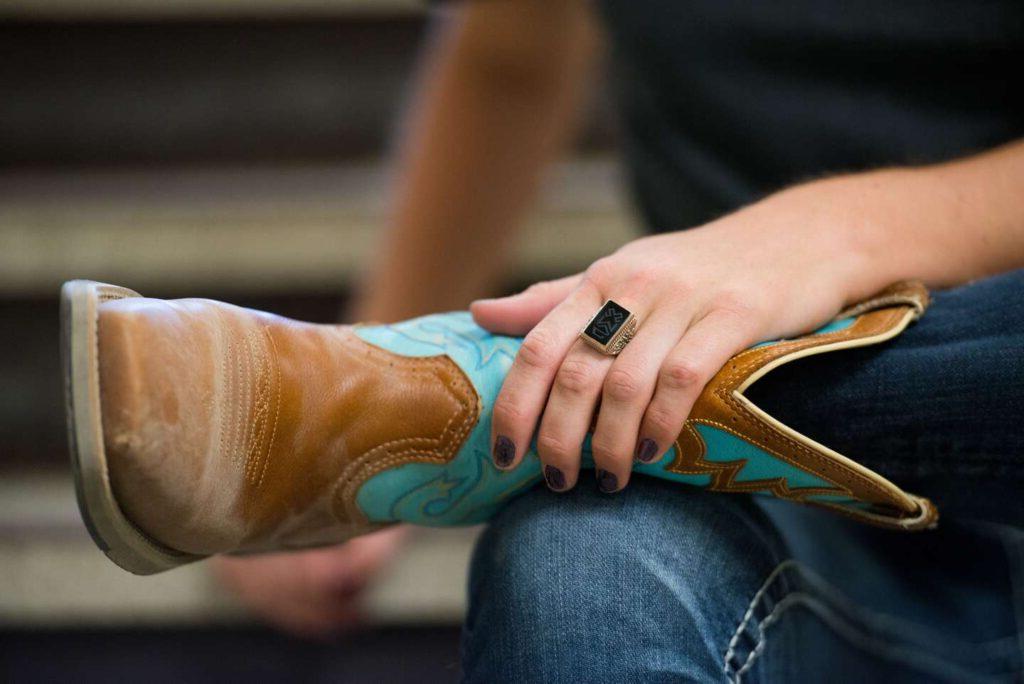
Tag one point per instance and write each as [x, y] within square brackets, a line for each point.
[569, 413]
[525, 389]
[627, 390]
[703, 350]
[519, 313]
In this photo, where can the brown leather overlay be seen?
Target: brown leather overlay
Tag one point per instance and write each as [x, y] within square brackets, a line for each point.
[455, 412]
[349, 410]
[252, 406]
[228, 429]
[722, 405]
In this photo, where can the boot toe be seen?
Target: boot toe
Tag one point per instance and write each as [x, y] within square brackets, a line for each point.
[157, 376]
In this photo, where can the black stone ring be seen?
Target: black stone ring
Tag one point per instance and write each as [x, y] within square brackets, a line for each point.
[610, 330]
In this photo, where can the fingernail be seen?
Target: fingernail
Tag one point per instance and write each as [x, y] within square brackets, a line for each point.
[607, 482]
[646, 450]
[554, 477]
[504, 451]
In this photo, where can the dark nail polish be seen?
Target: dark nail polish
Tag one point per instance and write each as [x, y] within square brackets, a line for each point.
[504, 451]
[646, 450]
[607, 482]
[555, 478]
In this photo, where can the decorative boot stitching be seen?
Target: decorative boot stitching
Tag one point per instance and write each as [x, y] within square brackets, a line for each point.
[252, 390]
[723, 474]
[834, 470]
[440, 448]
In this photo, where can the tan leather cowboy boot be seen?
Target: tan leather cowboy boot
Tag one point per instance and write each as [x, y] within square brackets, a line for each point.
[198, 427]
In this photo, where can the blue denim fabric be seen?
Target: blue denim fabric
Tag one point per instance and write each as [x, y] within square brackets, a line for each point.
[667, 583]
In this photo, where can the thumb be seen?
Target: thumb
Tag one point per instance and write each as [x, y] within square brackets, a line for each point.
[516, 315]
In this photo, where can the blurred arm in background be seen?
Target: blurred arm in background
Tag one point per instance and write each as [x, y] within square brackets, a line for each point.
[498, 94]
[497, 98]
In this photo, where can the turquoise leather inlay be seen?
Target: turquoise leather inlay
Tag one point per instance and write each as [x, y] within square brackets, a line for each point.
[833, 326]
[723, 446]
[469, 489]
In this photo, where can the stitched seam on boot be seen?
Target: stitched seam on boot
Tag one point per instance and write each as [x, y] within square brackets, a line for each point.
[251, 378]
[277, 405]
[830, 468]
[738, 371]
[439, 449]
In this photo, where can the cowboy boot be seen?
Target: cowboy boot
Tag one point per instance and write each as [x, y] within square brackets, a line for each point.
[198, 427]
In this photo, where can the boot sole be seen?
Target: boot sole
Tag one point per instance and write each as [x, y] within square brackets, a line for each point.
[113, 533]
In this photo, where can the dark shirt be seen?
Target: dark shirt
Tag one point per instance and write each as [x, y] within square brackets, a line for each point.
[723, 101]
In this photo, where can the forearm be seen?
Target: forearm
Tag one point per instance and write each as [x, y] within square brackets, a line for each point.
[969, 219]
[496, 102]
[943, 224]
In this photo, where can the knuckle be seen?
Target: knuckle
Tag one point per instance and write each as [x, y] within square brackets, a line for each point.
[740, 306]
[622, 386]
[551, 447]
[609, 272]
[644, 276]
[682, 289]
[605, 450]
[506, 412]
[663, 423]
[535, 288]
[602, 271]
[535, 351]
[573, 377]
[540, 287]
[681, 375]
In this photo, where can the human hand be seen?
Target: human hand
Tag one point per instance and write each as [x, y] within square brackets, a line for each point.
[778, 268]
[311, 593]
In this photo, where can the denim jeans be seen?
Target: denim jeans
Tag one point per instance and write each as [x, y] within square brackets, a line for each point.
[664, 583]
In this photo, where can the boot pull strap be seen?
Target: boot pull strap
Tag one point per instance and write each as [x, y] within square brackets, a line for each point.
[826, 478]
[909, 292]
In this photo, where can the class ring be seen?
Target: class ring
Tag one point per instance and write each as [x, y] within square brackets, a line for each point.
[610, 329]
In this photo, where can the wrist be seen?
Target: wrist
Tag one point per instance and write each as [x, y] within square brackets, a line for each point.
[870, 216]
[883, 226]
[943, 224]
[838, 232]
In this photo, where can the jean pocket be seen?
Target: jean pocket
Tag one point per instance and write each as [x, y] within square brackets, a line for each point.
[798, 627]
